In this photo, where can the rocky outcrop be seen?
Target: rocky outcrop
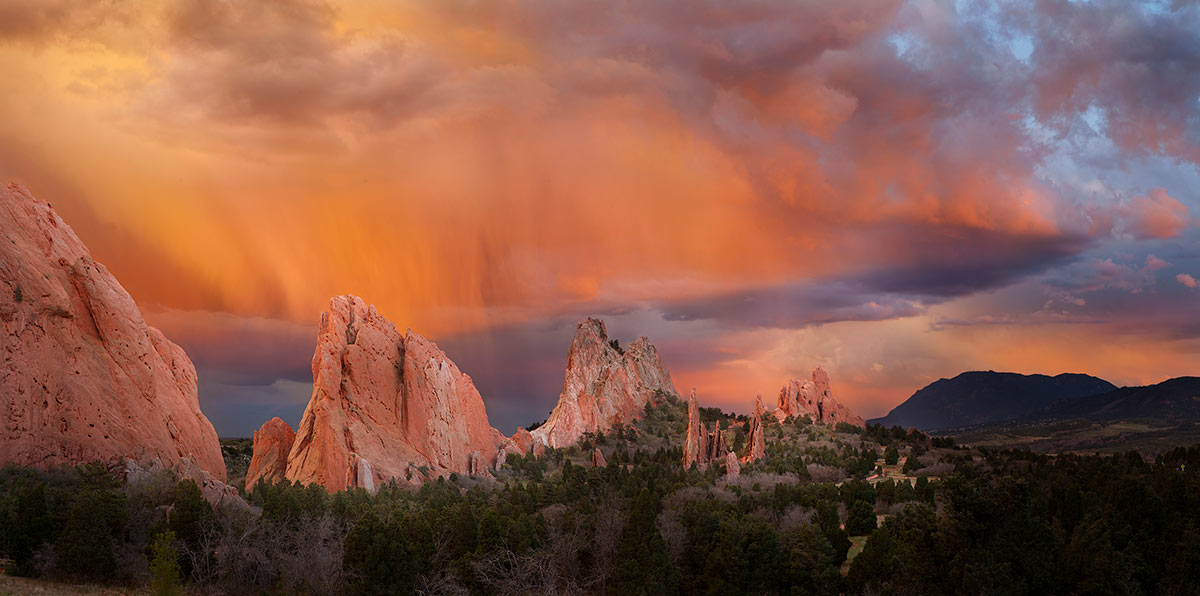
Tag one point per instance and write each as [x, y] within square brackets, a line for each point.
[756, 438]
[715, 447]
[815, 400]
[272, 443]
[83, 376]
[523, 440]
[693, 442]
[598, 460]
[732, 468]
[382, 402]
[136, 476]
[701, 448]
[604, 385]
[476, 465]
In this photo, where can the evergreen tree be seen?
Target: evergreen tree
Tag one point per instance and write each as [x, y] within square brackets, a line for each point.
[643, 567]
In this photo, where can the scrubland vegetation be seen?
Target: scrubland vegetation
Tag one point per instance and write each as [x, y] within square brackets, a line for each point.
[930, 518]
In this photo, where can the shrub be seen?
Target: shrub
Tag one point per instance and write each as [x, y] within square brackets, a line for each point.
[164, 565]
[891, 457]
[860, 519]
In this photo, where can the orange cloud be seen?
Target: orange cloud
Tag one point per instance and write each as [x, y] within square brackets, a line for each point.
[467, 166]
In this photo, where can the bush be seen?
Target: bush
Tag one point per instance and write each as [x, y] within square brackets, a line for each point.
[84, 547]
[860, 519]
[891, 457]
[164, 565]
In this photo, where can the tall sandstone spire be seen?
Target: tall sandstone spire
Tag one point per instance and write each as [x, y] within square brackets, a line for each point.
[815, 399]
[757, 438]
[694, 443]
[384, 404]
[604, 385]
[83, 376]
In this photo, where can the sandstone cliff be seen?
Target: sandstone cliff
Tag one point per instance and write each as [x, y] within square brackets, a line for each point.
[384, 404]
[814, 399]
[604, 385]
[83, 376]
[272, 443]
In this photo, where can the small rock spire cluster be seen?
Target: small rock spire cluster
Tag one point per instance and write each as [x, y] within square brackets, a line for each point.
[700, 447]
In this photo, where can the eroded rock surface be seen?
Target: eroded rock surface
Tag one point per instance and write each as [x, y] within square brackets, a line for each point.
[83, 376]
[815, 399]
[604, 385]
[272, 443]
[732, 468]
[756, 437]
[382, 401]
[598, 460]
[693, 442]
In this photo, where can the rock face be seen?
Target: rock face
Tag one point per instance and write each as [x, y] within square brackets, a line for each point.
[699, 447]
[272, 443]
[598, 460]
[714, 445]
[217, 493]
[523, 440]
[756, 437]
[693, 443]
[83, 376]
[732, 468]
[382, 401]
[476, 465]
[814, 399]
[604, 385]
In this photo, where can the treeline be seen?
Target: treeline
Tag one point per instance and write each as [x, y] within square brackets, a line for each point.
[1033, 524]
[1002, 523]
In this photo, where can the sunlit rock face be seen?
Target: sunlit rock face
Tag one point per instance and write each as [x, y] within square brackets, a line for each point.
[694, 441]
[814, 399]
[700, 448]
[272, 443]
[383, 403]
[83, 376]
[604, 385]
[756, 436]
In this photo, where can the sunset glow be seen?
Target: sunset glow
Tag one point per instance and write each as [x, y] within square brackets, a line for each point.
[897, 191]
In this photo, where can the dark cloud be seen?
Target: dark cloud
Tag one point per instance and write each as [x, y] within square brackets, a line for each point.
[930, 268]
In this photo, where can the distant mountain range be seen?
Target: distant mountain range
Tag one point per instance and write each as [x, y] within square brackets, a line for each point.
[1173, 400]
[980, 397]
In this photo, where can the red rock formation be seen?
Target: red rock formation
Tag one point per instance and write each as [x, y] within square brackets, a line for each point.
[381, 402]
[732, 468]
[522, 439]
[217, 493]
[598, 460]
[814, 399]
[272, 443]
[604, 385]
[757, 438]
[715, 447]
[693, 443]
[476, 465]
[83, 376]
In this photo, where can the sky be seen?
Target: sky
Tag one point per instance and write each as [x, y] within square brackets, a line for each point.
[896, 191]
